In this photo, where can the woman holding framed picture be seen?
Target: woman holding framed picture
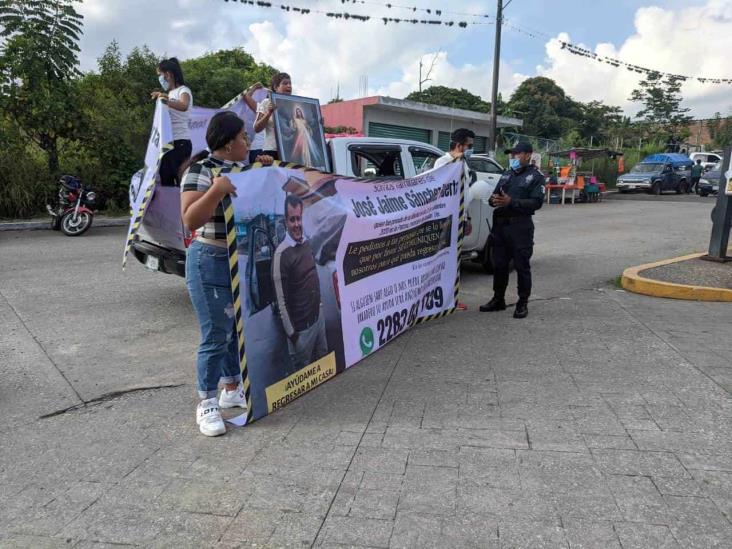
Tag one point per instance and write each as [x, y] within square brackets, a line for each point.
[282, 84]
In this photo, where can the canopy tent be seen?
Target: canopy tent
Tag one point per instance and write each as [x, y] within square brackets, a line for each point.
[677, 159]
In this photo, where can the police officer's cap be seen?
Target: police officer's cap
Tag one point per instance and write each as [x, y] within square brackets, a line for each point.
[520, 147]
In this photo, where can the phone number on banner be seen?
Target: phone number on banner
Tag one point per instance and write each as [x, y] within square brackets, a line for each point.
[395, 323]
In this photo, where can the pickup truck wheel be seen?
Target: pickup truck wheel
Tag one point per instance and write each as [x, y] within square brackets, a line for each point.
[656, 188]
[487, 258]
[703, 193]
[681, 189]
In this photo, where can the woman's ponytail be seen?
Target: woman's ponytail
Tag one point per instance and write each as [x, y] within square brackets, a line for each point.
[193, 160]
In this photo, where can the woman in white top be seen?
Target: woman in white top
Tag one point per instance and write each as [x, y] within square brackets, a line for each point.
[281, 83]
[257, 142]
[180, 101]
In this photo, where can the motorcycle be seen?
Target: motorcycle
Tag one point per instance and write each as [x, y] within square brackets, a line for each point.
[74, 211]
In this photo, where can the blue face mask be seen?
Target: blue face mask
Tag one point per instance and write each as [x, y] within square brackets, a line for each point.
[514, 163]
[467, 153]
[163, 82]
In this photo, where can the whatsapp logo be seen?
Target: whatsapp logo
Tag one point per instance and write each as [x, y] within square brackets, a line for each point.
[366, 340]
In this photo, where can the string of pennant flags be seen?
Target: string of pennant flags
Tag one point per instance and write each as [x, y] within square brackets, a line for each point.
[583, 52]
[352, 16]
[438, 12]
[483, 19]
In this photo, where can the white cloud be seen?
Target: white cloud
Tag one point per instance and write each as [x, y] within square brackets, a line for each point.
[477, 79]
[321, 53]
[693, 41]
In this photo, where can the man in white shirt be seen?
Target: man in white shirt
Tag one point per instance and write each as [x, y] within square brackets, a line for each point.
[461, 147]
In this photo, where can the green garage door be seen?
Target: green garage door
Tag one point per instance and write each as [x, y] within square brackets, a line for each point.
[443, 141]
[377, 129]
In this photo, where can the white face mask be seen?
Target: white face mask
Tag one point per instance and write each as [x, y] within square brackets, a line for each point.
[467, 153]
[163, 82]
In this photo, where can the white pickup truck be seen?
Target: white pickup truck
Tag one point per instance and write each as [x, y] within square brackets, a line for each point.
[161, 243]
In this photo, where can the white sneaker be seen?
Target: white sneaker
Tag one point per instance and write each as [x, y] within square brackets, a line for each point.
[233, 399]
[209, 419]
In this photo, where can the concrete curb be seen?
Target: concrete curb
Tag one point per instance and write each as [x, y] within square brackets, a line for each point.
[40, 225]
[634, 282]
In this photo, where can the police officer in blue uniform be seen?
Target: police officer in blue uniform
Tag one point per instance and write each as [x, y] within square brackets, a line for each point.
[519, 193]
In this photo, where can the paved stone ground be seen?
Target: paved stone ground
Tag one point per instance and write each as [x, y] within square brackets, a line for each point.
[602, 420]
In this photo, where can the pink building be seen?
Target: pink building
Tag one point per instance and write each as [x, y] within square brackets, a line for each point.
[380, 116]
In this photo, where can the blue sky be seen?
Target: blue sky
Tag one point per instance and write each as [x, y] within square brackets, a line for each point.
[686, 37]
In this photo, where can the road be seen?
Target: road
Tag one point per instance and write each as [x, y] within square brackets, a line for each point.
[603, 420]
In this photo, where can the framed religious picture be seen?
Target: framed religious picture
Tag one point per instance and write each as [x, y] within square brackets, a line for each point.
[299, 131]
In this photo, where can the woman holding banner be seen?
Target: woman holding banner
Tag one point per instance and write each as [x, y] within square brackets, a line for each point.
[207, 268]
[179, 99]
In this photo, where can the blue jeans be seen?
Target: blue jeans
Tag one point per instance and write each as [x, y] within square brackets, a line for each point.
[209, 285]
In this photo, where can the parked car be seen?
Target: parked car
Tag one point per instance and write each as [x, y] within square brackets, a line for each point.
[709, 183]
[658, 173]
[162, 242]
[709, 159]
[485, 168]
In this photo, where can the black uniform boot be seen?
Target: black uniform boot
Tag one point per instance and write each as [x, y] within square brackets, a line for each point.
[495, 304]
[522, 310]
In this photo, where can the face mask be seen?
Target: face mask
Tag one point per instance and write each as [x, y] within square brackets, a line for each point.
[163, 82]
[467, 153]
[514, 163]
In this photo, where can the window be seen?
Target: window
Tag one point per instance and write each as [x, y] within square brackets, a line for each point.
[259, 267]
[483, 165]
[376, 161]
[424, 160]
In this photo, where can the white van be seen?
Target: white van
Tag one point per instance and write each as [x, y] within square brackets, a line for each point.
[708, 159]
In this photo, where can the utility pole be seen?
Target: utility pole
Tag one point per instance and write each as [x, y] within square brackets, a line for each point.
[721, 216]
[496, 66]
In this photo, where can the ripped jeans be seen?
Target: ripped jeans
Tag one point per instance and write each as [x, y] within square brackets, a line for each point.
[208, 281]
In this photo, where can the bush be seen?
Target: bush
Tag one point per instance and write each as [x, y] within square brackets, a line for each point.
[24, 177]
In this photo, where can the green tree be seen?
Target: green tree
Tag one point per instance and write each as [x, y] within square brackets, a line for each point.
[38, 62]
[217, 77]
[118, 111]
[597, 122]
[720, 130]
[452, 97]
[544, 107]
[661, 99]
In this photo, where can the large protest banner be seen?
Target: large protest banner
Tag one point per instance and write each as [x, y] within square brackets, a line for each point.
[142, 184]
[327, 269]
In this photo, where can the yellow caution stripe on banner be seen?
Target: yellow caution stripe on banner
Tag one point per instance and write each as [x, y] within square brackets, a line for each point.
[461, 233]
[236, 297]
[143, 205]
[234, 274]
